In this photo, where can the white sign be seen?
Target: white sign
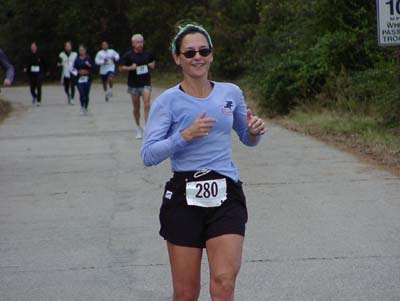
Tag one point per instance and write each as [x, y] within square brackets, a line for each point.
[388, 12]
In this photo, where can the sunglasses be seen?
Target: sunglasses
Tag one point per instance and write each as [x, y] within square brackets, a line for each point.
[192, 53]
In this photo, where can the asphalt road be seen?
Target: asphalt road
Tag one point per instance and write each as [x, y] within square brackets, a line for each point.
[79, 212]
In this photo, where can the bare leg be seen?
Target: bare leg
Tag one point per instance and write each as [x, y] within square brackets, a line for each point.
[110, 82]
[146, 101]
[104, 85]
[136, 109]
[224, 257]
[185, 268]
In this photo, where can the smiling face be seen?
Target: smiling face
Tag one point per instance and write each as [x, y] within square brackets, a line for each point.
[198, 66]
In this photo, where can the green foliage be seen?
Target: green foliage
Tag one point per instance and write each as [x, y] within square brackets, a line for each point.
[281, 87]
[297, 52]
[325, 52]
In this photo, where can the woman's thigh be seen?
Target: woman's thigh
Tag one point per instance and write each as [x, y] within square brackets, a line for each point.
[225, 255]
[185, 266]
[81, 89]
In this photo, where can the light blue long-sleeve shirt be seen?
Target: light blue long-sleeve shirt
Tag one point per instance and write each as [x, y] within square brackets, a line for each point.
[174, 111]
[10, 71]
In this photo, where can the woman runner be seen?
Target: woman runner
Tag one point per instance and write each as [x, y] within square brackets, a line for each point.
[67, 59]
[83, 64]
[106, 59]
[203, 203]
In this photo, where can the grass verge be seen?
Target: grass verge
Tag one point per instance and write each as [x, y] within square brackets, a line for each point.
[364, 136]
[164, 79]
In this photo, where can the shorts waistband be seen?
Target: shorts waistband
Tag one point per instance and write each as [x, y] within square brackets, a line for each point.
[199, 175]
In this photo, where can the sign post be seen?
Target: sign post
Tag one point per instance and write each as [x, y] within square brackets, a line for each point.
[388, 16]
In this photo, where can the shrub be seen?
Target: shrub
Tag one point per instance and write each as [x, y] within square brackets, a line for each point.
[280, 87]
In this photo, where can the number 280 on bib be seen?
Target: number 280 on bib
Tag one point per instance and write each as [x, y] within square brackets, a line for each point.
[211, 193]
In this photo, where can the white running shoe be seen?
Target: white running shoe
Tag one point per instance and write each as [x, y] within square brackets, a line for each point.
[108, 95]
[139, 133]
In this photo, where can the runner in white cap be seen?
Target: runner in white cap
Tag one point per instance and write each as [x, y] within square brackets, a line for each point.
[138, 62]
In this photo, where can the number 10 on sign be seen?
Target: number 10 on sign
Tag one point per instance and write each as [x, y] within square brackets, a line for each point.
[388, 17]
[394, 5]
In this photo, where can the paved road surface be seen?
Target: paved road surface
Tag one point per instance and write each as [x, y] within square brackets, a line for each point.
[79, 212]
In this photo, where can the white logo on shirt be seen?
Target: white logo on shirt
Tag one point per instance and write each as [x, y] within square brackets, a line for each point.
[168, 194]
[227, 108]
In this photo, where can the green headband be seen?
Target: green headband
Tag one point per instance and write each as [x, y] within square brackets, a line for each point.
[183, 29]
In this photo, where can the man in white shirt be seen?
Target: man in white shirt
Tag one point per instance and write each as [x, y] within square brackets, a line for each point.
[67, 59]
[106, 59]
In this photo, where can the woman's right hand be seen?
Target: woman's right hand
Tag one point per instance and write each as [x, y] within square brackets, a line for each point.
[199, 129]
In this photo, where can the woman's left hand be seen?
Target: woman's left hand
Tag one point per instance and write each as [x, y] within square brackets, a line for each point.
[255, 125]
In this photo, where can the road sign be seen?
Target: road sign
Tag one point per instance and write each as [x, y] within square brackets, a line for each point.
[388, 12]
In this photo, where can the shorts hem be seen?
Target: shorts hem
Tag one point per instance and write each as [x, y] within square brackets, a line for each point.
[106, 76]
[182, 244]
[240, 233]
[138, 91]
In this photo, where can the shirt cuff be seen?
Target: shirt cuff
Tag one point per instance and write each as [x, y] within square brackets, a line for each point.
[250, 143]
[178, 141]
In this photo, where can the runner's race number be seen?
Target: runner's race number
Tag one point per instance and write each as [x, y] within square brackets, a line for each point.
[142, 69]
[206, 190]
[35, 69]
[83, 79]
[211, 193]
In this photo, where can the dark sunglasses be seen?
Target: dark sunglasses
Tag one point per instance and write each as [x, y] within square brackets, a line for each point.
[192, 53]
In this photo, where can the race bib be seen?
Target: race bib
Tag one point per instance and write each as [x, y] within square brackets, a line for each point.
[35, 69]
[142, 69]
[211, 193]
[83, 79]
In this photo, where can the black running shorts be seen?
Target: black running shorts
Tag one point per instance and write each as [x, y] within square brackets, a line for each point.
[192, 226]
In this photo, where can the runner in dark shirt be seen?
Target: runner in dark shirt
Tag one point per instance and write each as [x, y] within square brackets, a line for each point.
[83, 66]
[138, 62]
[35, 67]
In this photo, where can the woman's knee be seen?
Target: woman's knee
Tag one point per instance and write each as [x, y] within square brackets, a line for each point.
[186, 293]
[223, 285]
[147, 105]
